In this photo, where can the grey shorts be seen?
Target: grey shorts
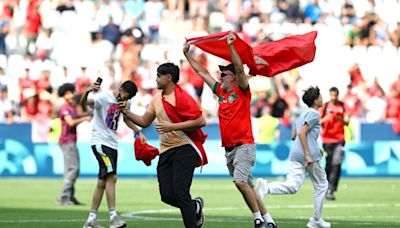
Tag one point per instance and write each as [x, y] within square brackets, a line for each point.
[240, 161]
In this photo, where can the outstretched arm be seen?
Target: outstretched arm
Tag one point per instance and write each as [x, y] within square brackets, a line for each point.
[188, 125]
[200, 69]
[137, 131]
[241, 76]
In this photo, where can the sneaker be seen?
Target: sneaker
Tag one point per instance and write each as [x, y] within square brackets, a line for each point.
[92, 224]
[272, 225]
[76, 202]
[261, 187]
[200, 216]
[329, 195]
[64, 202]
[258, 223]
[117, 222]
[312, 223]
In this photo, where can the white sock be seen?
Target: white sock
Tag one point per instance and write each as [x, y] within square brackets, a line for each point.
[113, 213]
[267, 218]
[92, 215]
[257, 215]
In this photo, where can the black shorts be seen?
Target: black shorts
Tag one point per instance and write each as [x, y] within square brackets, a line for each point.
[107, 158]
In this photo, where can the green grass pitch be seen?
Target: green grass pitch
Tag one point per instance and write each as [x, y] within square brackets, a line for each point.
[360, 203]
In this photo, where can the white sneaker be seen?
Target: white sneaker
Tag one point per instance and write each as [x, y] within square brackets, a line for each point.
[117, 222]
[261, 187]
[312, 223]
[92, 224]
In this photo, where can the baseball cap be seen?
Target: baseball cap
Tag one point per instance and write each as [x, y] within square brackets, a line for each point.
[229, 67]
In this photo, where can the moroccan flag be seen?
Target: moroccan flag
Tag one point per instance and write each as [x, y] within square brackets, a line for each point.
[215, 44]
[267, 59]
[285, 54]
[185, 109]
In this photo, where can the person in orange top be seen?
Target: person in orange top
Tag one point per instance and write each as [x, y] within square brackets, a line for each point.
[333, 119]
[234, 98]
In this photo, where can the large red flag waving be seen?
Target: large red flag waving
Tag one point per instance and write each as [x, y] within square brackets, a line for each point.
[267, 59]
[216, 44]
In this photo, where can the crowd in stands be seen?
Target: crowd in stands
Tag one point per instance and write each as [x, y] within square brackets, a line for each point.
[45, 43]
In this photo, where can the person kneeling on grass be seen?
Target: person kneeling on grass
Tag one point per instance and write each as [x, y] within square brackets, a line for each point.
[305, 157]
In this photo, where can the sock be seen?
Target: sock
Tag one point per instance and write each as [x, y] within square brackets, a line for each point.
[257, 215]
[113, 213]
[267, 218]
[92, 215]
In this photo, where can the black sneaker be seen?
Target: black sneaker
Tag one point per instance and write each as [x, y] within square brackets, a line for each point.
[329, 195]
[76, 202]
[200, 215]
[258, 223]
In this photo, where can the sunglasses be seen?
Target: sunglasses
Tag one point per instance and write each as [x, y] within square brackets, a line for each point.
[224, 74]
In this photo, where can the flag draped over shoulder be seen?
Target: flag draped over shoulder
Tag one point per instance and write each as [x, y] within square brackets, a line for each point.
[185, 109]
[267, 59]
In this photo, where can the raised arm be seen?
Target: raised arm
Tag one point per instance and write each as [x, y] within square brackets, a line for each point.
[200, 69]
[84, 99]
[240, 75]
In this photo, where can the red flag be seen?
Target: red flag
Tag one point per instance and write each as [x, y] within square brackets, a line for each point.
[285, 54]
[216, 44]
[185, 109]
[145, 152]
[267, 59]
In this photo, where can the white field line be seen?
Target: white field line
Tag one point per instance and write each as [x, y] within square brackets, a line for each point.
[140, 215]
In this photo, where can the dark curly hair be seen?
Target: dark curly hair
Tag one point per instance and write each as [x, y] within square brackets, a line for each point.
[65, 88]
[310, 95]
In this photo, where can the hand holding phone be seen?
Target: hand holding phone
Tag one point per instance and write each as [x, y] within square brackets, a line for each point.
[98, 83]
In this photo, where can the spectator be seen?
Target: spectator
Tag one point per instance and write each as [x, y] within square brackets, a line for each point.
[4, 29]
[153, 10]
[111, 32]
[312, 12]
[6, 114]
[375, 107]
[269, 127]
[352, 103]
[395, 36]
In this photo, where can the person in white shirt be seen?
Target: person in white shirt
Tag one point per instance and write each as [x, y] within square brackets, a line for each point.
[106, 116]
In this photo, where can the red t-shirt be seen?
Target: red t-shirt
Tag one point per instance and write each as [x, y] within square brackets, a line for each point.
[393, 108]
[333, 130]
[353, 104]
[234, 116]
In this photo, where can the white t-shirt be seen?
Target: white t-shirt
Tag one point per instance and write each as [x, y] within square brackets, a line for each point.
[106, 116]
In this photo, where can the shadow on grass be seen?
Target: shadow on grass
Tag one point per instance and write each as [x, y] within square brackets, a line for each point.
[75, 217]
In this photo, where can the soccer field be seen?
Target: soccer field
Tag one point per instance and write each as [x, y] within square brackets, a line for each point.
[360, 203]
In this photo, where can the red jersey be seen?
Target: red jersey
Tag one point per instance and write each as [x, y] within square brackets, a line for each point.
[234, 116]
[332, 129]
[393, 108]
[353, 104]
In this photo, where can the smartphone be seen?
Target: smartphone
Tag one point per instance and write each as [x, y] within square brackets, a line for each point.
[98, 81]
